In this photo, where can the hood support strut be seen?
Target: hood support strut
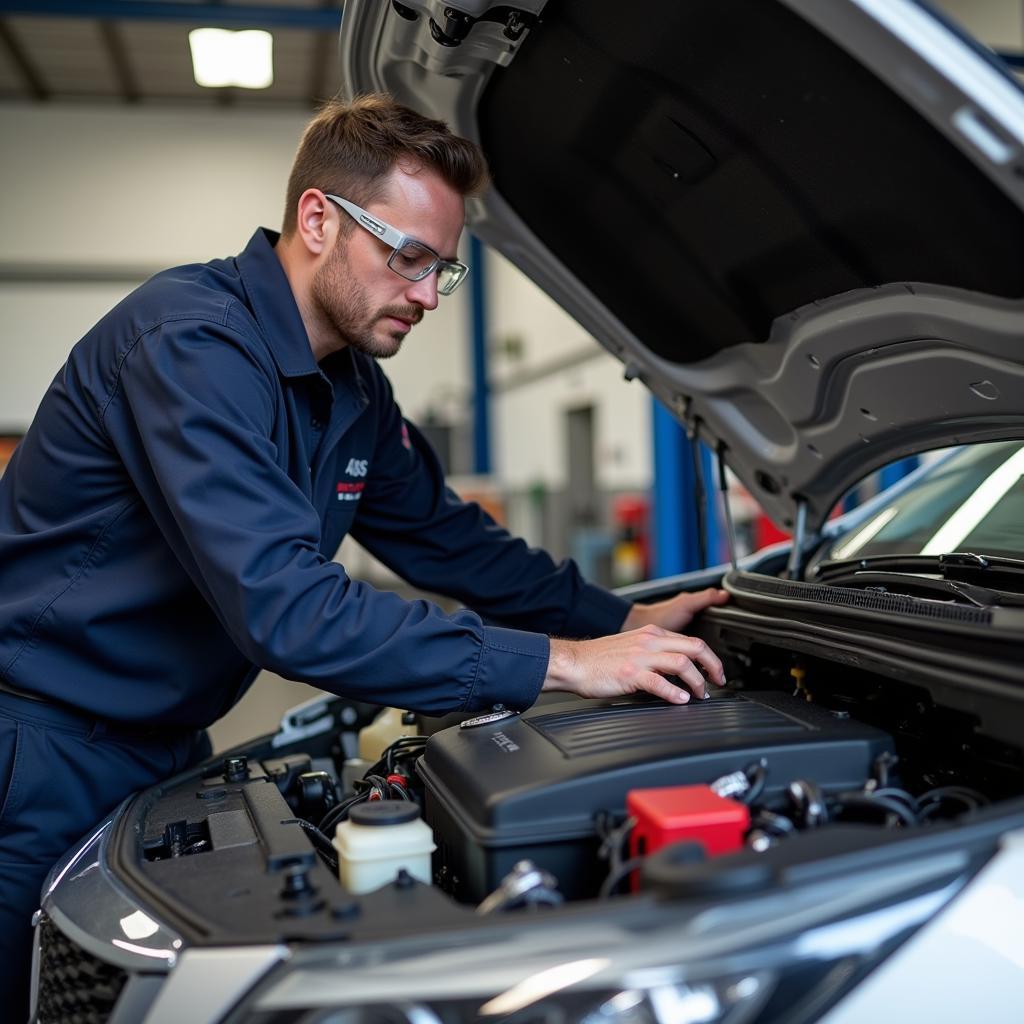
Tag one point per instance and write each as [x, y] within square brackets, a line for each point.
[799, 536]
[723, 486]
[699, 496]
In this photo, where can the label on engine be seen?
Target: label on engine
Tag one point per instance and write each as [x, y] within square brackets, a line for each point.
[505, 743]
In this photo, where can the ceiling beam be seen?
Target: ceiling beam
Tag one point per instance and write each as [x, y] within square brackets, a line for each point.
[118, 55]
[325, 52]
[33, 80]
[325, 47]
[203, 13]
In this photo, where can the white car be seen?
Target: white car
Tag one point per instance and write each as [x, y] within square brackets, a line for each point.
[801, 224]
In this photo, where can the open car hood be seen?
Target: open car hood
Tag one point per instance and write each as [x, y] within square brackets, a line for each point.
[800, 224]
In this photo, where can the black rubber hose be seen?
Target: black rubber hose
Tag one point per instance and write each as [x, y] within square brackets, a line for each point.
[864, 801]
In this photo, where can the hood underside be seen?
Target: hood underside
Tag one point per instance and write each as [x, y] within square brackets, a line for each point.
[800, 224]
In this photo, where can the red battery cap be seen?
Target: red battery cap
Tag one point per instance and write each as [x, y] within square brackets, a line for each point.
[673, 814]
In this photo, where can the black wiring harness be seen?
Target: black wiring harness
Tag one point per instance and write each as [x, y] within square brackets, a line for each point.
[393, 777]
[614, 836]
[805, 807]
[879, 800]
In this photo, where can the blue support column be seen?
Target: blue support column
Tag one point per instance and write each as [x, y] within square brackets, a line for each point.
[478, 327]
[887, 476]
[896, 471]
[676, 547]
[716, 547]
[672, 479]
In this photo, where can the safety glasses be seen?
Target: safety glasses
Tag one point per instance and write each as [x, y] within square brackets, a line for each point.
[409, 257]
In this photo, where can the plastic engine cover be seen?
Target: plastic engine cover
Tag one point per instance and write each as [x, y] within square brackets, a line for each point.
[531, 785]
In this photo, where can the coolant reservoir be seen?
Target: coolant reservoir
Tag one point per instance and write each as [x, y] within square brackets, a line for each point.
[382, 732]
[379, 839]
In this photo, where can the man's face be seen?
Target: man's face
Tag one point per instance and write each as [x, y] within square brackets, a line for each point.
[370, 306]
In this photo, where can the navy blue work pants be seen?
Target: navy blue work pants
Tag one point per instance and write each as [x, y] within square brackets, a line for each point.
[60, 774]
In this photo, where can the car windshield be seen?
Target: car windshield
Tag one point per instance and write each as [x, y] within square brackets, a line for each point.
[971, 499]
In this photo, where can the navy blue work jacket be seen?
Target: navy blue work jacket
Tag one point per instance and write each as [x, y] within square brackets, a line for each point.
[168, 522]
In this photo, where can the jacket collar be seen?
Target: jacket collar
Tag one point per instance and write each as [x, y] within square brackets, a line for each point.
[272, 302]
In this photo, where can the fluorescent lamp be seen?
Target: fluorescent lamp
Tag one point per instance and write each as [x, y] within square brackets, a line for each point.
[221, 58]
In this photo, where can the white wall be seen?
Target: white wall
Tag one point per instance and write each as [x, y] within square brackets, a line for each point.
[997, 23]
[38, 324]
[531, 438]
[519, 313]
[529, 421]
[140, 186]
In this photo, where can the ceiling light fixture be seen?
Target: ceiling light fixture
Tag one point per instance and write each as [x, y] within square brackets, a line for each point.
[222, 58]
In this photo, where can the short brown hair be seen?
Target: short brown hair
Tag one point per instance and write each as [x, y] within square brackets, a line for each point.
[350, 147]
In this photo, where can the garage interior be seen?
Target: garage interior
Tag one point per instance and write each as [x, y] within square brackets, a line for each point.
[117, 163]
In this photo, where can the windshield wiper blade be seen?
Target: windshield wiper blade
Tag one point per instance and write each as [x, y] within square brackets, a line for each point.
[970, 560]
[915, 585]
[878, 563]
[953, 565]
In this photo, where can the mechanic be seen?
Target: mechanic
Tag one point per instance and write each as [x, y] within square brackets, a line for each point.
[168, 523]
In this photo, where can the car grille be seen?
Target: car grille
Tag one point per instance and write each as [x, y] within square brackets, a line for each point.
[75, 987]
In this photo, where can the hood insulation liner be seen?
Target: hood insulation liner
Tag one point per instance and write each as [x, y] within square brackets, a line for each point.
[704, 179]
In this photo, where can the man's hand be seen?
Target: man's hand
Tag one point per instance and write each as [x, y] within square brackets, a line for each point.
[676, 613]
[633, 662]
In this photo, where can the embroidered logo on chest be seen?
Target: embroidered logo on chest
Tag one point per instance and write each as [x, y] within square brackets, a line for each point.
[349, 490]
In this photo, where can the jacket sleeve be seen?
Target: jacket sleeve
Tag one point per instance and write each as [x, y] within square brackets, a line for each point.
[192, 417]
[422, 530]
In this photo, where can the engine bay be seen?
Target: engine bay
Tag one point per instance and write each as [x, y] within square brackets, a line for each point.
[541, 785]
[568, 802]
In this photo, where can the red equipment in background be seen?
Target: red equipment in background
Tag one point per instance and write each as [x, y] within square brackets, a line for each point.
[631, 526]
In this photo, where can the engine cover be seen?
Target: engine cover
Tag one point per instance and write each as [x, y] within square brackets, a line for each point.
[531, 785]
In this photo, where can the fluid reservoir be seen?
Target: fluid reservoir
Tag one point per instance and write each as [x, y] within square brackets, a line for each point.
[379, 839]
[382, 732]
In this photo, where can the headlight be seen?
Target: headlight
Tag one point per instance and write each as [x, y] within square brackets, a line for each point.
[709, 969]
[729, 1001]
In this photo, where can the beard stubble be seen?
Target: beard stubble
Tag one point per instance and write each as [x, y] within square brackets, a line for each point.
[345, 305]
